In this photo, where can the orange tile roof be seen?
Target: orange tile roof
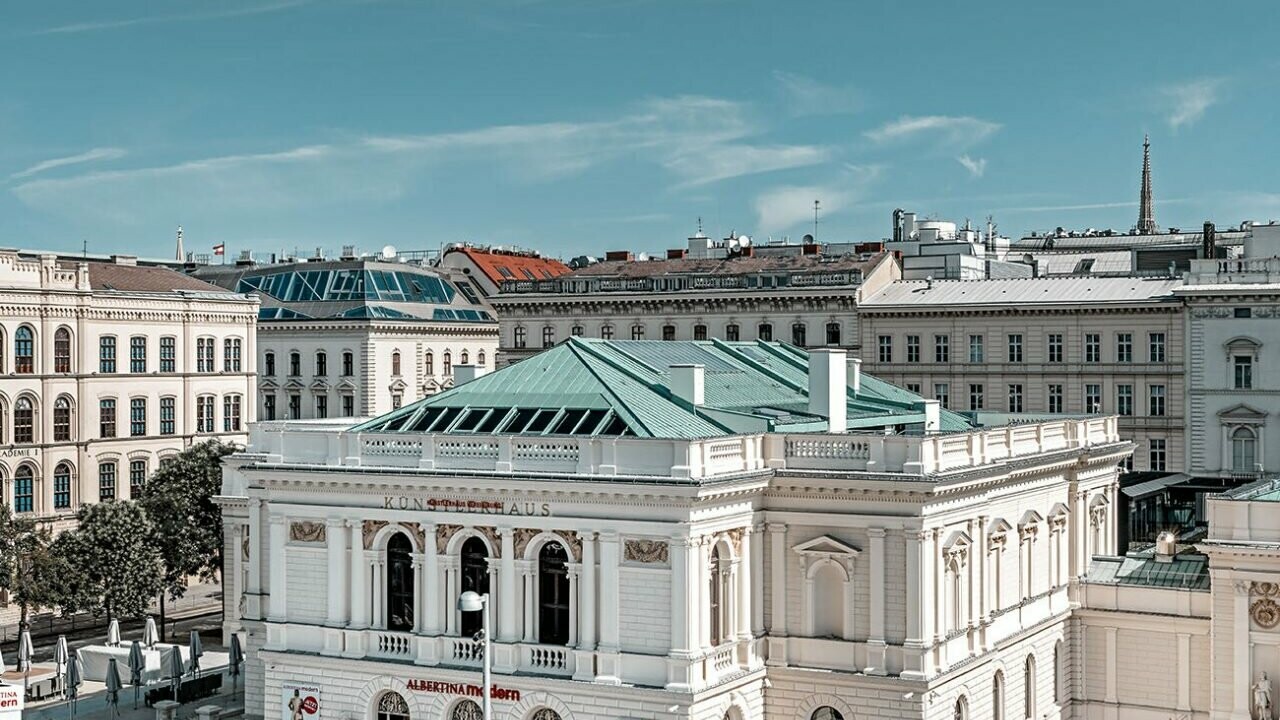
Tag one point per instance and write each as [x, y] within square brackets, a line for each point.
[498, 266]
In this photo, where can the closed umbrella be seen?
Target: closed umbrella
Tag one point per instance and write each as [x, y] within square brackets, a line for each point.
[234, 659]
[24, 658]
[196, 651]
[113, 684]
[113, 633]
[176, 670]
[60, 655]
[137, 664]
[73, 682]
[149, 636]
[3, 669]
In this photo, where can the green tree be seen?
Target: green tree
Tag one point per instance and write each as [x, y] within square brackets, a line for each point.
[112, 559]
[29, 570]
[188, 524]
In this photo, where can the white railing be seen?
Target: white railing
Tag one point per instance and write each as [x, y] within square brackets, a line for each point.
[724, 659]
[545, 659]
[393, 645]
[464, 650]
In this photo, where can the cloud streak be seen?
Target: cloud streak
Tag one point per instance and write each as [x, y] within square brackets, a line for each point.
[975, 166]
[790, 207]
[94, 155]
[806, 96]
[959, 131]
[1189, 101]
[100, 25]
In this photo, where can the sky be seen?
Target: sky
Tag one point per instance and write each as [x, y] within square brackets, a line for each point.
[579, 127]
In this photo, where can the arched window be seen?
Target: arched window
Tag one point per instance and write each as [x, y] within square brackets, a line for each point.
[446, 363]
[732, 332]
[429, 363]
[269, 364]
[322, 363]
[826, 712]
[545, 714]
[606, 332]
[1244, 450]
[62, 486]
[62, 351]
[399, 583]
[24, 351]
[62, 419]
[1029, 687]
[519, 337]
[392, 707]
[295, 364]
[799, 334]
[466, 710]
[956, 588]
[480, 358]
[553, 595]
[24, 490]
[717, 597]
[464, 358]
[765, 332]
[637, 332]
[395, 363]
[548, 336]
[827, 594]
[474, 565]
[668, 332]
[4, 421]
[699, 332]
[961, 709]
[24, 421]
[997, 696]
[348, 363]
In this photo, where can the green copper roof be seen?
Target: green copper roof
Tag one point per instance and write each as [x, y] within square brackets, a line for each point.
[1186, 570]
[602, 387]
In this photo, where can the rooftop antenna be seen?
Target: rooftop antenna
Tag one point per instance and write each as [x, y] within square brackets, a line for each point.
[816, 205]
[699, 225]
[180, 256]
[84, 248]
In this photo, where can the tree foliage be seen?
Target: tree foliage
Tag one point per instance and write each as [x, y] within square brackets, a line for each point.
[188, 524]
[113, 559]
[29, 570]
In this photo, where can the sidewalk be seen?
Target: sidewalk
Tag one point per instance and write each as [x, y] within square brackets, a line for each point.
[200, 599]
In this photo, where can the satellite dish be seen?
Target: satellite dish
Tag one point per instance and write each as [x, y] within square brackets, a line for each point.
[388, 252]
[744, 241]
[733, 243]
[807, 239]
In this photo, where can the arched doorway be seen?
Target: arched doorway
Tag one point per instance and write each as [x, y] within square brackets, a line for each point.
[400, 583]
[553, 595]
[474, 568]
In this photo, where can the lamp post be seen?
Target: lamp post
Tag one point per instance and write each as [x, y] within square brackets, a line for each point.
[471, 602]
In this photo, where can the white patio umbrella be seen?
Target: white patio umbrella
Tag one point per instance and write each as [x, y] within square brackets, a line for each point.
[60, 655]
[234, 659]
[73, 681]
[196, 651]
[137, 665]
[113, 684]
[149, 634]
[113, 633]
[3, 669]
[25, 653]
[175, 670]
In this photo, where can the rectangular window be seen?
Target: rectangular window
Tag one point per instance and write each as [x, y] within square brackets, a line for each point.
[61, 489]
[1015, 348]
[107, 418]
[231, 348]
[519, 337]
[765, 332]
[1124, 347]
[137, 477]
[295, 365]
[1055, 398]
[138, 354]
[549, 336]
[885, 344]
[941, 348]
[732, 332]
[1243, 365]
[1015, 398]
[106, 481]
[348, 406]
[107, 354]
[975, 396]
[1156, 347]
[699, 331]
[322, 364]
[1093, 399]
[913, 388]
[668, 332]
[348, 364]
[833, 333]
[637, 332]
[204, 355]
[1157, 454]
[269, 406]
[204, 414]
[1243, 312]
[1092, 348]
[168, 415]
[1155, 400]
[1055, 347]
[913, 348]
[1124, 399]
[942, 393]
[976, 354]
[295, 406]
[322, 406]
[168, 354]
[231, 413]
[138, 417]
[799, 335]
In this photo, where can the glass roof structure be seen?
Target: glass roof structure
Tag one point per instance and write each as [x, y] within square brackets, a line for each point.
[348, 284]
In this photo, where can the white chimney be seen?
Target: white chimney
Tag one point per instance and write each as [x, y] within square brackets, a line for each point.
[932, 416]
[687, 382]
[828, 375]
[463, 374]
[855, 365]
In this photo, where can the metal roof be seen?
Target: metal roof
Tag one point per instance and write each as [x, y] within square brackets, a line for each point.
[1023, 291]
[1185, 570]
[618, 387]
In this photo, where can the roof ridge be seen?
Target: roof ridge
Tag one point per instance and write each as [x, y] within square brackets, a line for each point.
[581, 350]
[756, 365]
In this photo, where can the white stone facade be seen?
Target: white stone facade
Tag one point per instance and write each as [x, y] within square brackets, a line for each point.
[746, 576]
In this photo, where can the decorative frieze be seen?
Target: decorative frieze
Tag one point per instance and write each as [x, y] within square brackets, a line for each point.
[370, 529]
[648, 552]
[495, 540]
[1265, 610]
[307, 531]
[522, 537]
[444, 532]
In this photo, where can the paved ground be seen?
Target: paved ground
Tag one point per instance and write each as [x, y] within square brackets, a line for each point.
[200, 598]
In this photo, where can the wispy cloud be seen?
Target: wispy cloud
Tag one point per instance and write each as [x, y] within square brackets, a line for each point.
[790, 207]
[805, 96]
[116, 24]
[1188, 101]
[1087, 206]
[958, 131]
[94, 155]
[975, 166]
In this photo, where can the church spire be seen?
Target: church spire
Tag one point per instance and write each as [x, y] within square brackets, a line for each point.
[1146, 210]
[181, 256]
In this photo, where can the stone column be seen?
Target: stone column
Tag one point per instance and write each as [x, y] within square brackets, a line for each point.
[587, 594]
[253, 585]
[379, 572]
[745, 580]
[419, 614]
[336, 544]
[610, 559]
[703, 584]
[431, 588]
[508, 590]
[359, 577]
[1243, 675]
[876, 645]
[278, 611]
[935, 578]
[757, 580]
[778, 578]
[681, 609]
[919, 632]
[575, 569]
[529, 601]
[450, 563]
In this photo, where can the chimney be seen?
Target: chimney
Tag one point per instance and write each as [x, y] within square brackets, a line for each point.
[855, 364]
[828, 375]
[1166, 547]
[463, 374]
[687, 383]
[1210, 241]
[932, 415]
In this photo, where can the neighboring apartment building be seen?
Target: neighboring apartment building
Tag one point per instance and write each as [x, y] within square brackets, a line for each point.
[487, 268]
[1041, 346]
[107, 368]
[356, 337]
[710, 530]
[808, 300]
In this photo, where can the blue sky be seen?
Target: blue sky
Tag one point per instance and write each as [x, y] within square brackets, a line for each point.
[576, 127]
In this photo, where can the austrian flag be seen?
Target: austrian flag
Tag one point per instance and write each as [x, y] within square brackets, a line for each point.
[220, 249]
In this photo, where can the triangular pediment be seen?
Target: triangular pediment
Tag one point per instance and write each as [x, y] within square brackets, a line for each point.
[398, 385]
[347, 384]
[826, 545]
[294, 384]
[268, 384]
[1242, 411]
[319, 385]
[1030, 517]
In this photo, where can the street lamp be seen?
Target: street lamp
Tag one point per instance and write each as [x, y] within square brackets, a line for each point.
[472, 602]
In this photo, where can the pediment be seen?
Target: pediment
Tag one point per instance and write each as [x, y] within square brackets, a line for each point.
[319, 385]
[1030, 517]
[958, 539]
[268, 384]
[294, 384]
[347, 384]
[398, 385]
[999, 526]
[827, 546]
[1242, 411]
